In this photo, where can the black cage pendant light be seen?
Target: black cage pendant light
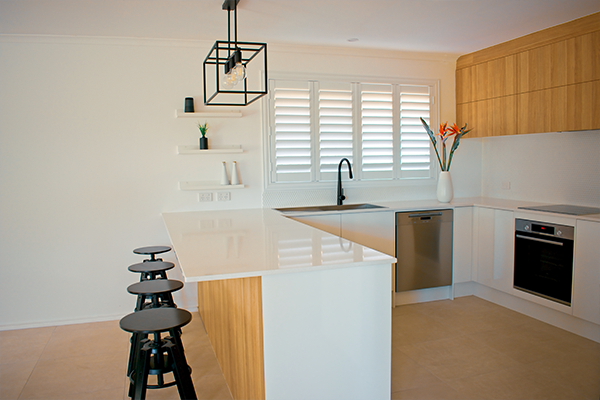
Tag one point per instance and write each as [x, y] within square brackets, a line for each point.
[234, 72]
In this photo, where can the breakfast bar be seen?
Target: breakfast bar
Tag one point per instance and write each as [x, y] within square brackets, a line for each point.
[291, 311]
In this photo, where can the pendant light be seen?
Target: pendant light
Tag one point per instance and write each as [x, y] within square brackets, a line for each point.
[228, 73]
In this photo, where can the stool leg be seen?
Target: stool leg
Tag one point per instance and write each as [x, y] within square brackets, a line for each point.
[181, 371]
[154, 301]
[134, 349]
[137, 389]
[140, 302]
[166, 300]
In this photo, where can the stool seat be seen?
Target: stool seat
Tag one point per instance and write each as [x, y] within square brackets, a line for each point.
[152, 269]
[155, 320]
[160, 355]
[157, 286]
[158, 291]
[152, 251]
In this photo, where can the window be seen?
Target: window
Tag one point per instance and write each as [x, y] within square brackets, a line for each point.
[314, 124]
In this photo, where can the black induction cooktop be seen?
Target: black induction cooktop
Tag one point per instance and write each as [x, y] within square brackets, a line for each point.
[564, 209]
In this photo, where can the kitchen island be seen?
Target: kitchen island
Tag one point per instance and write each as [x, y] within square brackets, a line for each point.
[291, 311]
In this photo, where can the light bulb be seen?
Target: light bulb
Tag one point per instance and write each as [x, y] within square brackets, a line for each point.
[234, 78]
[226, 81]
[240, 71]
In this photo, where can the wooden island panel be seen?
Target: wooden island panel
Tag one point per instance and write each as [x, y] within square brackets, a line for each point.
[231, 310]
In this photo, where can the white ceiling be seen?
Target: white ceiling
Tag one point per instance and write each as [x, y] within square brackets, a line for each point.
[441, 26]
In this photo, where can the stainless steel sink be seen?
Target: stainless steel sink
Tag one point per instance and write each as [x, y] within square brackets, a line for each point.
[344, 207]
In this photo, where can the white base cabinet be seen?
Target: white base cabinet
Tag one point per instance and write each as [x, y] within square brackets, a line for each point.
[493, 248]
[376, 230]
[462, 244]
[586, 274]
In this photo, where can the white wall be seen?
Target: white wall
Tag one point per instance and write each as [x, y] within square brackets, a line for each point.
[558, 168]
[88, 160]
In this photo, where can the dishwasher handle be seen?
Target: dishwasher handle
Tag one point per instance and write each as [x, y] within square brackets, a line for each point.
[433, 214]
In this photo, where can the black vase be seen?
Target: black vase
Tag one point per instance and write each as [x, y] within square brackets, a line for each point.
[203, 143]
[189, 105]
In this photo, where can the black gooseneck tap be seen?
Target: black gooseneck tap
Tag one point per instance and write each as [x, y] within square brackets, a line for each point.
[340, 191]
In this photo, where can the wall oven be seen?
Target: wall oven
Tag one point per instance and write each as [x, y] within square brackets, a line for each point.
[544, 260]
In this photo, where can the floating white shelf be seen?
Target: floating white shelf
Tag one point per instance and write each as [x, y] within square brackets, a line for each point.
[207, 185]
[208, 114]
[194, 150]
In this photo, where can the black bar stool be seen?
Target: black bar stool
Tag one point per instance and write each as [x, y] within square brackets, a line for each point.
[152, 269]
[160, 355]
[158, 291]
[152, 251]
[155, 293]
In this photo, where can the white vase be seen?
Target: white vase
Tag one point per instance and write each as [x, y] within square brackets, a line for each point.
[235, 179]
[224, 177]
[445, 192]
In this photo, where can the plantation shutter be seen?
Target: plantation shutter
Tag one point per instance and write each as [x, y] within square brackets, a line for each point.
[415, 145]
[377, 131]
[313, 125]
[335, 127]
[290, 131]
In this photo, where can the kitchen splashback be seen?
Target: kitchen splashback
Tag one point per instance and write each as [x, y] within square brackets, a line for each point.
[561, 168]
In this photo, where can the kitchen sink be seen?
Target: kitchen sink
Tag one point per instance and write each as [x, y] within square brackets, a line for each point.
[344, 207]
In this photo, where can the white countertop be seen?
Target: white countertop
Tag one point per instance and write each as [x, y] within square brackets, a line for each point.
[487, 202]
[228, 244]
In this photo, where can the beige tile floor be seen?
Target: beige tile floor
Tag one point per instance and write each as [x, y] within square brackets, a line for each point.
[473, 349]
[462, 349]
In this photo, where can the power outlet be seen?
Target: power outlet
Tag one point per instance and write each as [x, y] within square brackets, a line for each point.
[505, 185]
[205, 197]
[224, 196]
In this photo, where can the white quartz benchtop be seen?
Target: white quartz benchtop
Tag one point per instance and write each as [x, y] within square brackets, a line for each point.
[486, 202]
[228, 244]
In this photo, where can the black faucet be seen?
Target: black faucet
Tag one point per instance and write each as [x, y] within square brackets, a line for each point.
[340, 191]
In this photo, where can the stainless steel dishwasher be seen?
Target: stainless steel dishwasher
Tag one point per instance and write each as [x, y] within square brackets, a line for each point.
[423, 249]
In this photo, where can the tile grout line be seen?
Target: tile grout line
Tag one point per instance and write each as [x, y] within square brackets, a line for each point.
[36, 362]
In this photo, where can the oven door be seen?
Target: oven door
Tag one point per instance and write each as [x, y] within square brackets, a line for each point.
[544, 266]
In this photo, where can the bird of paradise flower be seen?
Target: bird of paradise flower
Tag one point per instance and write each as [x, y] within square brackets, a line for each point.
[444, 134]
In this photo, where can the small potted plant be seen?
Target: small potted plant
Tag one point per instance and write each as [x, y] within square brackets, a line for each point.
[203, 140]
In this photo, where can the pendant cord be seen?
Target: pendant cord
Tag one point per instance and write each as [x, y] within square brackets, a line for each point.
[235, 23]
[228, 33]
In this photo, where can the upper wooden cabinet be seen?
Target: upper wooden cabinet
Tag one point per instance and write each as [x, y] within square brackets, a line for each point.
[547, 81]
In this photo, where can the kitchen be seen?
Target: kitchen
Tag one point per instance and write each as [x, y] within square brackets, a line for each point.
[90, 162]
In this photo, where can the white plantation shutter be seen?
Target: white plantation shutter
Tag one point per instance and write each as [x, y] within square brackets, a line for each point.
[377, 131]
[291, 136]
[415, 149]
[314, 124]
[336, 138]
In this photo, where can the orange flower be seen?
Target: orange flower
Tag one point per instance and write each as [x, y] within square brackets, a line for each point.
[443, 129]
[454, 130]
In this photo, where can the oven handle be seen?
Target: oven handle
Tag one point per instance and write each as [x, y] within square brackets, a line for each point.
[539, 240]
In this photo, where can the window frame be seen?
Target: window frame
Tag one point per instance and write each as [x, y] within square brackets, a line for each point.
[269, 143]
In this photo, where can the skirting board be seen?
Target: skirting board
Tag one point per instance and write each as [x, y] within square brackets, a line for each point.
[45, 324]
[423, 295]
[559, 319]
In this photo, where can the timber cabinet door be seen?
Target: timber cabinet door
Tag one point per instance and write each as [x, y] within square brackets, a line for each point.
[548, 81]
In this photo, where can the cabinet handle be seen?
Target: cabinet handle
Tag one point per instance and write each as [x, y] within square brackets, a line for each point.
[539, 240]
